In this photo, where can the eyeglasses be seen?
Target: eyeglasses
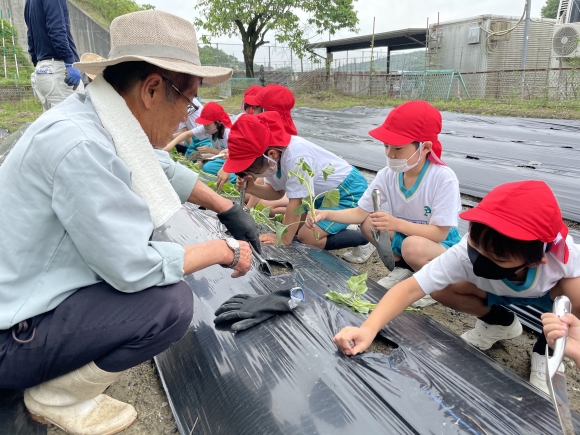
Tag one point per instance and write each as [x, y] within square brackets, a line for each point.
[191, 107]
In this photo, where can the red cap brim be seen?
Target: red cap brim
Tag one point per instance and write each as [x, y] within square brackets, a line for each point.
[234, 166]
[251, 100]
[509, 229]
[390, 138]
[203, 121]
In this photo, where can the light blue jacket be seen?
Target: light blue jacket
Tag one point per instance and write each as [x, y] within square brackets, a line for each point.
[69, 219]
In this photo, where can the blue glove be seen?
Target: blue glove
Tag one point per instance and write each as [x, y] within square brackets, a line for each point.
[72, 76]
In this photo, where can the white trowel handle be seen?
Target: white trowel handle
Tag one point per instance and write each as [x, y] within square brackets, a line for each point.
[376, 200]
[562, 305]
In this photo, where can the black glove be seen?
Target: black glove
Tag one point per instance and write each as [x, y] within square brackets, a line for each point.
[241, 225]
[251, 310]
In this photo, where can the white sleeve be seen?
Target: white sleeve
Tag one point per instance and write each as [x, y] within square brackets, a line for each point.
[199, 132]
[446, 203]
[448, 268]
[366, 201]
[293, 187]
[572, 268]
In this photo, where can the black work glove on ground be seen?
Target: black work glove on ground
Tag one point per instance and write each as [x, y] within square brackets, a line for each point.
[241, 225]
[251, 310]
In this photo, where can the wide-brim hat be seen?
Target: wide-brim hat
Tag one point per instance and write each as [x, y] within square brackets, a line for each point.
[92, 57]
[158, 38]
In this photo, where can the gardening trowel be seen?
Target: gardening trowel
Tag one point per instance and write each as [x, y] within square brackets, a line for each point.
[382, 241]
[557, 380]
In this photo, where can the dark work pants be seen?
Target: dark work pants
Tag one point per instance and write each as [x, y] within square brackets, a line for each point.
[116, 330]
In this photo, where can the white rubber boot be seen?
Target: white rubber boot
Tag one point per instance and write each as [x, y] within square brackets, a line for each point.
[74, 403]
[483, 336]
[359, 254]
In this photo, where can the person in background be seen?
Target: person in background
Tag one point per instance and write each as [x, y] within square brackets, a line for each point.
[249, 103]
[52, 50]
[277, 98]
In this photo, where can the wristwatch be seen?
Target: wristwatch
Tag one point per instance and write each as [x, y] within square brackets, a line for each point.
[234, 245]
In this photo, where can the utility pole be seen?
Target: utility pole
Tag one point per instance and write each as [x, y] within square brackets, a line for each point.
[526, 34]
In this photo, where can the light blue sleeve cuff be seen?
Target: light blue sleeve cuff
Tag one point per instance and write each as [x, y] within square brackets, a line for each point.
[173, 257]
[183, 181]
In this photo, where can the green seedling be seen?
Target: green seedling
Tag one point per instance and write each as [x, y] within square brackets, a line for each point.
[357, 286]
[304, 173]
[261, 216]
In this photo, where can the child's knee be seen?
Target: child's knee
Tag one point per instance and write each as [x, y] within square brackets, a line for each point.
[413, 248]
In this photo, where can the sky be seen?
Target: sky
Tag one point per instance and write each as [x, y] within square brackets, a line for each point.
[390, 15]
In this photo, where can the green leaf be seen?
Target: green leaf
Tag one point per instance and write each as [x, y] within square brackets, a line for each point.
[326, 172]
[300, 210]
[212, 185]
[281, 229]
[279, 218]
[259, 207]
[358, 283]
[306, 167]
[331, 198]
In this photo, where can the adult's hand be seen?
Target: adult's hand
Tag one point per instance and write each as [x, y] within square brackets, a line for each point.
[241, 225]
[72, 76]
[245, 261]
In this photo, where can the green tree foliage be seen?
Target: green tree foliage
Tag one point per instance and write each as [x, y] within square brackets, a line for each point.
[105, 11]
[210, 55]
[550, 9]
[252, 19]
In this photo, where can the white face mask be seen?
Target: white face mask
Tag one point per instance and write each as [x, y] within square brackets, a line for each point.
[401, 165]
[211, 130]
[270, 171]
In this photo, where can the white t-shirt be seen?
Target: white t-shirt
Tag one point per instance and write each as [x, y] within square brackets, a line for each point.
[317, 158]
[218, 144]
[433, 200]
[190, 123]
[454, 266]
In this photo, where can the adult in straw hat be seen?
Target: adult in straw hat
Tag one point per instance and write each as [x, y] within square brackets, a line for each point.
[85, 293]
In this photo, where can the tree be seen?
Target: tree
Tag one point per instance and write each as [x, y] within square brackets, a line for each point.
[251, 20]
[550, 9]
[209, 55]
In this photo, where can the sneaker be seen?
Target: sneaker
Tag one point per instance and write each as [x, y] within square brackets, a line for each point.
[425, 301]
[360, 254]
[397, 275]
[538, 372]
[483, 336]
[353, 227]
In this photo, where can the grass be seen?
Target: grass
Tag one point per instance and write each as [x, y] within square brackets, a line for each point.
[333, 101]
[14, 114]
[105, 11]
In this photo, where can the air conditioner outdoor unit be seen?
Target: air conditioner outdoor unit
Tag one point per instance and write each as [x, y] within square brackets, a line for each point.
[566, 40]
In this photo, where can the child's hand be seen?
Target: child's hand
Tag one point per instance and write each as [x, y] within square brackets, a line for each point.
[269, 239]
[555, 327]
[222, 178]
[205, 149]
[311, 222]
[240, 182]
[351, 340]
[382, 221]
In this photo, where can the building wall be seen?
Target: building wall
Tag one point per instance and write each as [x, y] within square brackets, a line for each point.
[89, 36]
[449, 47]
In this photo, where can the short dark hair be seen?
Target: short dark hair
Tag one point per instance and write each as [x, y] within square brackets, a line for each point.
[125, 75]
[504, 247]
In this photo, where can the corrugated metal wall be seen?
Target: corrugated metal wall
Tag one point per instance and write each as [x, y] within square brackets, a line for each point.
[449, 48]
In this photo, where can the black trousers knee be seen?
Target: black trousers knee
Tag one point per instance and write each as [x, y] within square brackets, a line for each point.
[116, 330]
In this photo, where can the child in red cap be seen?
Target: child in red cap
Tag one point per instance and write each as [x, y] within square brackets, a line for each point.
[517, 252]
[214, 125]
[260, 147]
[420, 191]
[278, 98]
[250, 104]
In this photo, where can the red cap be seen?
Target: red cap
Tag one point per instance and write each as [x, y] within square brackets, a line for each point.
[251, 94]
[507, 209]
[278, 98]
[212, 112]
[248, 140]
[414, 121]
[278, 136]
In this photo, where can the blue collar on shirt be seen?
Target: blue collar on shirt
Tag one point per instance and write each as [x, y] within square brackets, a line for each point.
[531, 277]
[409, 193]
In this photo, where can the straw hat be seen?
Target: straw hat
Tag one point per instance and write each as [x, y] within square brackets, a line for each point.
[91, 57]
[158, 38]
